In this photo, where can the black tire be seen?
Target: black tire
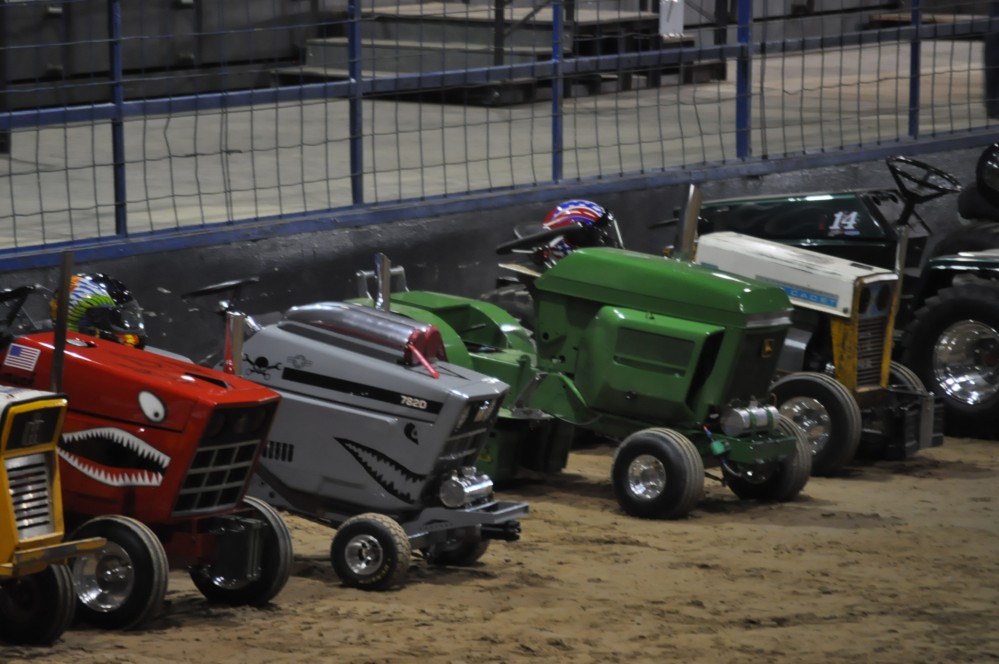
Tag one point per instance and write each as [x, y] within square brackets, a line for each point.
[123, 584]
[780, 481]
[275, 565]
[370, 552]
[657, 474]
[463, 549]
[952, 345]
[902, 376]
[977, 236]
[516, 300]
[827, 413]
[36, 609]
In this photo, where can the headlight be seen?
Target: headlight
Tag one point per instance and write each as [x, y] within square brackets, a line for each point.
[753, 418]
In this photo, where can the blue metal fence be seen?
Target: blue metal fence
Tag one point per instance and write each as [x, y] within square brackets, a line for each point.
[133, 124]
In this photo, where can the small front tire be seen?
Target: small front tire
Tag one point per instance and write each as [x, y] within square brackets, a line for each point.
[370, 552]
[36, 609]
[657, 474]
[123, 584]
[780, 481]
[461, 550]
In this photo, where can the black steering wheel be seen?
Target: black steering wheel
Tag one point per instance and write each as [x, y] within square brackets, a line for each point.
[920, 182]
[234, 286]
[16, 297]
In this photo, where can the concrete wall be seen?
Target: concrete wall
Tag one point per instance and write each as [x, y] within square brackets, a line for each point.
[453, 254]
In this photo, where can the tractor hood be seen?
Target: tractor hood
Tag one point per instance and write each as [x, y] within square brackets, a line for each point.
[968, 261]
[812, 280]
[618, 277]
[831, 216]
[122, 384]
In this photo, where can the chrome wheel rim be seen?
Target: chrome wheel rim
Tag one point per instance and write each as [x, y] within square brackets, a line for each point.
[966, 362]
[104, 581]
[812, 417]
[646, 477]
[224, 582]
[364, 555]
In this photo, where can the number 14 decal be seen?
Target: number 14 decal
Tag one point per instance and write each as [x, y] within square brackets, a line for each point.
[844, 223]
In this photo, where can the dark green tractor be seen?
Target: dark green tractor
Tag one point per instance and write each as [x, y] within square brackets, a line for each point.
[948, 317]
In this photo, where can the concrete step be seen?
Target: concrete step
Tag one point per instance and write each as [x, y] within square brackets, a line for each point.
[413, 57]
[466, 27]
[521, 91]
[520, 27]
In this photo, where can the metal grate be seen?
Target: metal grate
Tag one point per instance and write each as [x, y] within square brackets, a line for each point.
[469, 434]
[30, 481]
[224, 461]
[870, 349]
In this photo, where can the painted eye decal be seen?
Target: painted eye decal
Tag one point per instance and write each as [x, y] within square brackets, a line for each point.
[152, 407]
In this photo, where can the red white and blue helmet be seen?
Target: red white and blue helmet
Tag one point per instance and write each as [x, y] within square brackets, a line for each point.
[587, 214]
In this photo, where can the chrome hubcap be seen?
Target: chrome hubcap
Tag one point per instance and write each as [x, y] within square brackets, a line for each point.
[966, 362]
[646, 477]
[812, 417]
[364, 555]
[104, 580]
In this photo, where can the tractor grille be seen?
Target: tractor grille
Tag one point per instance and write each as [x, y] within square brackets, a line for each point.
[462, 450]
[469, 433]
[30, 481]
[754, 366]
[224, 460]
[870, 350]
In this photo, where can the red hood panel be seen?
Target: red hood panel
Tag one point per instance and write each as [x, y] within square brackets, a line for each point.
[106, 379]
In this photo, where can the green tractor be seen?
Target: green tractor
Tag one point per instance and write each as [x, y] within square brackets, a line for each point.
[672, 359]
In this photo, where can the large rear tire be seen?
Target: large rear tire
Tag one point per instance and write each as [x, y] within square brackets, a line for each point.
[780, 481]
[952, 345]
[36, 609]
[657, 474]
[977, 236]
[275, 565]
[827, 414]
[123, 584]
[516, 300]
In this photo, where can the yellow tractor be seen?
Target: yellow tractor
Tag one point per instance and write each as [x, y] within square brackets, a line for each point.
[37, 601]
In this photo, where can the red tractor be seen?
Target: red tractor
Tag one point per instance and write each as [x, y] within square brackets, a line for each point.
[156, 456]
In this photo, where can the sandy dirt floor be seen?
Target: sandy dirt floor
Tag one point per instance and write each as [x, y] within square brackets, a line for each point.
[893, 562]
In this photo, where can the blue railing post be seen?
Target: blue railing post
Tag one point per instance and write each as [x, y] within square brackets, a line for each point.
[743, 80]
[117, 120]
[558, 82]
[356, 97]
[914, 69]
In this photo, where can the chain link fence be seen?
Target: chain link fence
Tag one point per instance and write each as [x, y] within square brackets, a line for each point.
[141, 120]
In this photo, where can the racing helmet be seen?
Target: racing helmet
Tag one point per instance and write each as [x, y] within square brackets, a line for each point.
[596, 227]
[102, 306]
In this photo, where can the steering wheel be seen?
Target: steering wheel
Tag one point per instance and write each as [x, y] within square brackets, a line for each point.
[234, 286]
[16, 297]
[919, 181]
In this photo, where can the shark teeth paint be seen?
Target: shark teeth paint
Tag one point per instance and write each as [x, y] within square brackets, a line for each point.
[396, 480]
[114, 457]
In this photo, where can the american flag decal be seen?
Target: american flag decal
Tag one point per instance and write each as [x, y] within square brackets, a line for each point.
[22, 357]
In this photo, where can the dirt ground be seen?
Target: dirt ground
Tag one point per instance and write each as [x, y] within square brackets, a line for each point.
[893, 562]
